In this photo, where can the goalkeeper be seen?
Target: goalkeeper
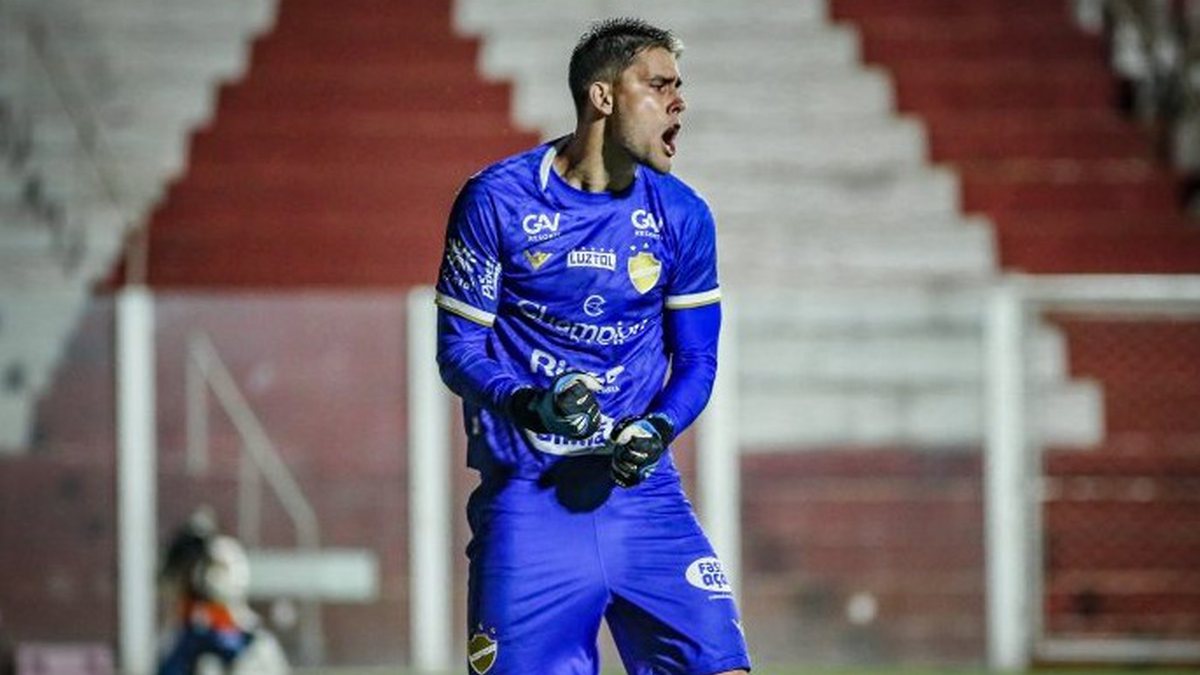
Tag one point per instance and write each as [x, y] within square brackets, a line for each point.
[576, 275]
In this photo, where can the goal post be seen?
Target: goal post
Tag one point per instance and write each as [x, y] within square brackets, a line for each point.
[1018, 634]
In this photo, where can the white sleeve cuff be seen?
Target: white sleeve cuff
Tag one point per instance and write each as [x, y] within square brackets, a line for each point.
[693, 299]
[464, 310]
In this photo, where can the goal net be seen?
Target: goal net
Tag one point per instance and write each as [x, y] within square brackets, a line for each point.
[1093, 546]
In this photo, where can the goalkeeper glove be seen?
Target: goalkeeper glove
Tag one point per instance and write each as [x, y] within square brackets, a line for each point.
[638, 444]
[568, 408]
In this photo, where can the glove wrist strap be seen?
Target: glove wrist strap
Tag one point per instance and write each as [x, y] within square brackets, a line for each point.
[522, 409]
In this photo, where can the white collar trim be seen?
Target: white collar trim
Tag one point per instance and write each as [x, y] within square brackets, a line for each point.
[548, 161]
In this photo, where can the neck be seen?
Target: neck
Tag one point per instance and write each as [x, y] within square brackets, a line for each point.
[592, 163]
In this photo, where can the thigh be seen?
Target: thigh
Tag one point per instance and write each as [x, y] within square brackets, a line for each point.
[672, 609]
[536, 589]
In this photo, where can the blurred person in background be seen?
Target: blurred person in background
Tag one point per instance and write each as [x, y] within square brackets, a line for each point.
[576, 276]
[208, 575]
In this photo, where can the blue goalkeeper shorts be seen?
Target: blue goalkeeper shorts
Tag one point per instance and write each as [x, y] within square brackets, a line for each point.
[550, 558]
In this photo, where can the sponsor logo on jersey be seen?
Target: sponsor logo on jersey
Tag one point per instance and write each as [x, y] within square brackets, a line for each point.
[593, 306]
[536, 258]
[481, 652]
[463, 268]
[645, 224]
[708, 575]
[540, 226]
[489, 279]
[581, 331]
[601, 260]
[552, 366]
[644, 270]
[596, 444]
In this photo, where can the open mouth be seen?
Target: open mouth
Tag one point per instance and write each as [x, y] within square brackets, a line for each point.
[668, 138]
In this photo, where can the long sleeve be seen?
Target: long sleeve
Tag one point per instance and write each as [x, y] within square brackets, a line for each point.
[692, 321]
[467, 368]
[468, 292]
[692, 339]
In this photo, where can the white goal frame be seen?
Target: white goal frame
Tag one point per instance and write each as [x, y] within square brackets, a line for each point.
[1016, 634]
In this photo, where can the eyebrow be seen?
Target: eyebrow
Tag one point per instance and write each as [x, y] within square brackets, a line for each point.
[663, 79]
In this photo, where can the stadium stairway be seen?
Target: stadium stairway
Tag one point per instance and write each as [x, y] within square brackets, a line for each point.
[334, 162]
[1021, 104]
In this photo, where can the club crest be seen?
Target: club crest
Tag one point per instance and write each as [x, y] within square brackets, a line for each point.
[481, 651]
[644, 270]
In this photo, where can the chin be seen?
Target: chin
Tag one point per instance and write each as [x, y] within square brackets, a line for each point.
[659, 164]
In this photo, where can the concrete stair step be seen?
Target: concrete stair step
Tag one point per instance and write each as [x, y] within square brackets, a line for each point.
[930, 358]
[785, 415]
[968, 143]
[971, 41]
[792, 228]
[963, 251]
[220, 15]
[885, 9]
[825, 149]
[934, 93]
[353, 123]
[853, 306]
[250, 100]
[930, 193]
[276, 54]
[429, 74]
[70, 181]
[162, 151]
[231, 201]
[326, 153]
[1106, 461]
[529, 53]
[255, 182]
[1084, 252]
[185, 104]
[827, 94]
[1002, 71]
[473, 16]
[1104, 186]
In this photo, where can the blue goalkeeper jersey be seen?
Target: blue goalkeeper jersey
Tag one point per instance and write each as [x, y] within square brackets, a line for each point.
[570, 280]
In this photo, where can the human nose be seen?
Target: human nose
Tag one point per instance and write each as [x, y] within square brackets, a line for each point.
[678, 105]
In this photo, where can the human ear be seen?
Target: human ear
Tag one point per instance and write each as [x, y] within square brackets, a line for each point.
[600, 95]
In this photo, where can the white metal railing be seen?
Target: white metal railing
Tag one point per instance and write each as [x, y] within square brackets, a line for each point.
[259, 461]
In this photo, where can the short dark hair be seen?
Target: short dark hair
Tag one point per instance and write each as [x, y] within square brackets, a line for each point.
[608, 48]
